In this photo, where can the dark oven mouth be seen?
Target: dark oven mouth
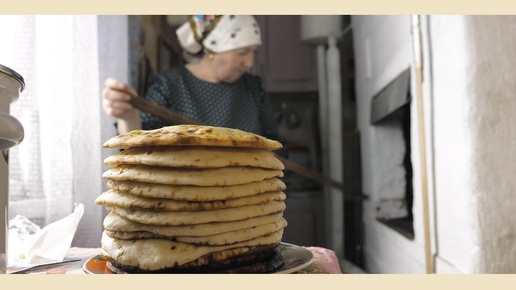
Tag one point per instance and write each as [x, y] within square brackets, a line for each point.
[391, 121]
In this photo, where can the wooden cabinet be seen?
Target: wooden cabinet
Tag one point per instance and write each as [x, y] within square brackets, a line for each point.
[283, 62]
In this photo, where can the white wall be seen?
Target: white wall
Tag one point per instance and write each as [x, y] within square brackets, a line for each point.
[382, 51]
[451, 80]
[383, 48]
[449, 87]
[468, 90]
[492, 50]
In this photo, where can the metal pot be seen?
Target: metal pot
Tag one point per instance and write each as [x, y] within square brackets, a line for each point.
[11, 134]
[11, 85]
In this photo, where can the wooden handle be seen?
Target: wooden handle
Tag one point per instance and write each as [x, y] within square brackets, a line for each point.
[159, 111]
[312, 174]
[176, 118]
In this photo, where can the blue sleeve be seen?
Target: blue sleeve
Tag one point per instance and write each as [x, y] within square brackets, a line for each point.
[159, 93]
[267, 115]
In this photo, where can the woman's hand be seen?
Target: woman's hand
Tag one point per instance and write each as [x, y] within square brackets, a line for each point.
[115, 103]
[115, 99]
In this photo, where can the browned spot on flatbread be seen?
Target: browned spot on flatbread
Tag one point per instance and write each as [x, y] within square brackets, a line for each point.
[192, 135]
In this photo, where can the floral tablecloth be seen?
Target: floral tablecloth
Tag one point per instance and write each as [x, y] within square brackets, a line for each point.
[325, 262]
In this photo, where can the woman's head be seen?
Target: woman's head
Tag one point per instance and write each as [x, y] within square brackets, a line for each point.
[228, 42]
[218, 33]
[228, 66]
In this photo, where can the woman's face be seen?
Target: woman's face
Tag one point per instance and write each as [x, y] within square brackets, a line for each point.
[230, 65]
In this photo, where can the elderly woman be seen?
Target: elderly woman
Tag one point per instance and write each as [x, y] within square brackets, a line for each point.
[217, 90]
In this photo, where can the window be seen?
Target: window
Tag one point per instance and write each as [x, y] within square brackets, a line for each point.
[64, 60]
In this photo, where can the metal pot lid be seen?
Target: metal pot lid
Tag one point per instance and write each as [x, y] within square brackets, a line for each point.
[13, 74]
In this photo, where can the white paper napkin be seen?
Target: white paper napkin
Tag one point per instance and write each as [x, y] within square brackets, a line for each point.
[50, 244]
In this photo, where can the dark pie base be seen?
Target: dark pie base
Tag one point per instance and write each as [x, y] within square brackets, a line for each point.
[263, 262]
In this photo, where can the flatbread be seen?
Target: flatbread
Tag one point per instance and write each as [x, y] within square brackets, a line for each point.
[177, 218]
[196, 157]
[196, 193]
[156, 254]
[115, 198]
[227, 238]
[200, 177]
[116, 223]
[259, 259]
[192, 135]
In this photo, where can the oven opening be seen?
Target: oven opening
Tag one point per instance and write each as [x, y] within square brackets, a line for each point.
[391, 118]
[404, 224]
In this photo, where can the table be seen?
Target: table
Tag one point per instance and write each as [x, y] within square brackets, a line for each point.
[325, 262]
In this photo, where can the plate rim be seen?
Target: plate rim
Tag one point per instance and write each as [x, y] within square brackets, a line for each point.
[289, 270]
[306, 263]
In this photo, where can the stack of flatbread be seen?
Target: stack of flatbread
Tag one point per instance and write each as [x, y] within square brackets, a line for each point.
[192, 198]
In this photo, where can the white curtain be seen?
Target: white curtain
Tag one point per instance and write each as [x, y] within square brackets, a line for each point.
[64, 60]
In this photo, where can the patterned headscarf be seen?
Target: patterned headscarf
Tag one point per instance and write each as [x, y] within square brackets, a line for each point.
[218, 33]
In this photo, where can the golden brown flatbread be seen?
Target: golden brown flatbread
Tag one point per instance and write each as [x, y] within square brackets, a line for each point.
[190, 199]
[195, 157]
[250, 260]
[200, 177]
[196, 193]
[116, 223]
[156, 254]
[226, 238]
[177, 218]
[192, 135]
[115, 198]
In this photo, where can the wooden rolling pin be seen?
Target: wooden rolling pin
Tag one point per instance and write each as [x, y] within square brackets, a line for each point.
[176, 118]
